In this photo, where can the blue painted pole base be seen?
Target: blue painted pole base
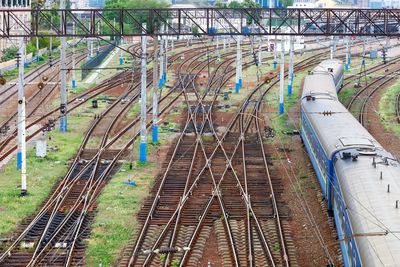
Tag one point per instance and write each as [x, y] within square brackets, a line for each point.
[363, 61]
[130, 182]
[347, 66]
[289, 89]
[73, 84]
[37, 57]
[240, 83]
[142, 156]
[63, 124]
[281, 109]
[25, 65]
[237, 88]
[386, 49]
[161, 83]
[155, 133]
[274, 64]
[349, 61]
[120, 61]
[19, 160]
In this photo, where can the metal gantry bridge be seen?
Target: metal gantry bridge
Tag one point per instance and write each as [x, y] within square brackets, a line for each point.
[200, 21]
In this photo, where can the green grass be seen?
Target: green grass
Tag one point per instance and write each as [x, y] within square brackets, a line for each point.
[387, 109]
[117, 208]
[302, 176]
[346, 94]
[280, 123]
[207, 138]
[135, 110]
[42, 174]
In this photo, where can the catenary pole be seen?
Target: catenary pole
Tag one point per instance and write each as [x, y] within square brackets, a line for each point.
[73, 57]
[63, 77]
[155, 89]
[290, 74]
[143, 130]
[21, 152]
[282, 76]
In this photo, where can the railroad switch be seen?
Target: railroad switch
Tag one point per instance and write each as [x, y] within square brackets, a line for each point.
[166, 250]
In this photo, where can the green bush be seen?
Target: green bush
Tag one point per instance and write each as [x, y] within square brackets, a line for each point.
[9, 53]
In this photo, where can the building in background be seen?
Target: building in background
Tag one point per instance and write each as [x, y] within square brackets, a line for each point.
[97, 3]
[303, 4]
[387, 4]
[269, 3]
[79, 4]
[21, 16]
[333, 4]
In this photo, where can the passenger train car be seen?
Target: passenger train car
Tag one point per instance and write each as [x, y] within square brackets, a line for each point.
[359, 178]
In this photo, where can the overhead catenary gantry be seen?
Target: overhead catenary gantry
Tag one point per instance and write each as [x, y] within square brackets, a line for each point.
[202, 21]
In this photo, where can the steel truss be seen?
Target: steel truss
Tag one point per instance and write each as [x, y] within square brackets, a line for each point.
[201, 21]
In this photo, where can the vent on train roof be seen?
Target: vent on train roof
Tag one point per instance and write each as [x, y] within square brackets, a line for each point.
[356, 141]
[330, 69]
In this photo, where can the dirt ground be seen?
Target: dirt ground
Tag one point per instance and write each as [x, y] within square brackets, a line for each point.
[386, 138]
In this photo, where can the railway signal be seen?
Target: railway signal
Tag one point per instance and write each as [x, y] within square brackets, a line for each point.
[384, 55]
[2, 81]
[267, 79]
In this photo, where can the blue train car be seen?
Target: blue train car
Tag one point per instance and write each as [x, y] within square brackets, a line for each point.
[348, 162]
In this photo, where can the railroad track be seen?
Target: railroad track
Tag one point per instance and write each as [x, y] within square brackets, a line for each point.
[368, 91]
[65, 217]
[34, 102]
[182, 211]
[56, 232]
[34, 74]
[124, 77]
[6, 141]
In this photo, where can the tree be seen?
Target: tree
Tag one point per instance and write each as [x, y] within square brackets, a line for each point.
[219, 4]
[256, 14]
[138, 16]
[286, 3]
[235, 4]
[251, 4]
